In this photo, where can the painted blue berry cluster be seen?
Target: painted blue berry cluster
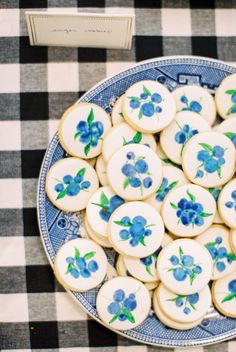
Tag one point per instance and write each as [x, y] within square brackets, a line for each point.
[136, 172]
[232, 109]
[81, 265]
[183, 266]
[122, 306]
[231, 136]
[147, 261]
[187, 303]
[148, 103]
[219, 254]
[134, 230]
[232, 290]
[190, 212]
[231, 204]
[193, 105]
[89, 132]
[211, 158]
[108, 206]
[164, 189]
[71, 186]
[183, 136]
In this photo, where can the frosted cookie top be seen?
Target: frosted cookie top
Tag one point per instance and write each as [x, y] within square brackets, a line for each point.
[116, 113]
[228, 128]
[226, 97]
[224, 294]
[227, 203]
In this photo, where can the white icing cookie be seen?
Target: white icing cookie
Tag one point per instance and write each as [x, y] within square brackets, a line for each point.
[224, 294]
[225, 97]
[134, 172]
[228, 128]
[70, 183]
[164, 159]
[123, 303]
[227, 203]
[103, 241]
[151, 285]
[82, 129]
[136, 229]
[111, 272]
[188, 210]
[216, 241]
[215, 192]
[195, 99]
[80, 265]
[116, 113]
[101, 169]
[232, 240]
[148, 106]
[184, 266]
[172, 178]
[123, 134]
[184, 308]
[175, 136]
[99, 209]
[208, 159]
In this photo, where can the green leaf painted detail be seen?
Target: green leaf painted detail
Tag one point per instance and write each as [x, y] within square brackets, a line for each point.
[191, 196]
[146, 91]
[81, 172]
[61, 194]
[206, 146]
[228, 297]
[126, 182]
[77, 253]
[89, 255]
[90, 117]
[87, 148]
[173, 206]
[137, 137]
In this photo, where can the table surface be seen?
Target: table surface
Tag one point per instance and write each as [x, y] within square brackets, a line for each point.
[36, 85]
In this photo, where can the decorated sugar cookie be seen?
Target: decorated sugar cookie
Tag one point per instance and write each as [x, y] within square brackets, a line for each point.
[123, 134]
[134, 172]
[120, 266]
[224, 295]
[151, 285]
[188, 210]
[216, 241]
[227, 203]
[80, 265]
[100, 208]
[175, 136]
[116, 113]
[184, 266]
[184, 308]
[136, 229]
[102, 241]
[111, 272]
[215, 192]
[148, 106]
[101, 169]
[172, 178]
[70, 183]
[226, 97]
[232, 240]
[228, 128]
[82, 129]
[123, 303]
[195, 99]
[164, 159]
[208, 159]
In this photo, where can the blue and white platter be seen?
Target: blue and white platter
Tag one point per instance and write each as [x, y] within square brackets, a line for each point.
[57, 227]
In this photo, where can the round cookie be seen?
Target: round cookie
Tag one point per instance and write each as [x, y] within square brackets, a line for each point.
[82, 129]
[224, 294]
[123, 303]
[232, 240]
[123, 134]
[111, 272]
[188, 210]
[216, 241]
[175, 136]
[184, 266]
[228, 128]
[148, 106]
[116, 113]
[164, 159]
[151, 285]
[101, 169]
[208, 159]
[227, 203]
[103, 241]
[120, 266]
[99, 209]
[134, 172]
[136, 229]
[172, 178]
[195, 99]
[225, 97]
[184, 308]
[215, 192]
[80, 265]
[70, 183]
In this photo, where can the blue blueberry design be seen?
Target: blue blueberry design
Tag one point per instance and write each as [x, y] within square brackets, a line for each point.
[89, 132]
[71, 186]
[148, 103]
[187, 303]
[183, 266]
[164, 189]
[81, 265]
[193, 105]
[134, 230]
[190, 212]
[231, 204]
[211, 158]
[185, 133]
[122, 306]
[232, 109]
[219, 254]
[147, 261]
[232, 290]
[136, 172]
[231, 136]
[108, 206]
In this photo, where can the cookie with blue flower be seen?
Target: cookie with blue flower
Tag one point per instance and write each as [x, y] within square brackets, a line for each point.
[225, 97]
[101, 169]
[82, 129]
[228, 128]
[227, 204]
[224, 295]
[117, 115]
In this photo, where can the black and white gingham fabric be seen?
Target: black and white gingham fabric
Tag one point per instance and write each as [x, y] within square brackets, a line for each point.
[36, 85]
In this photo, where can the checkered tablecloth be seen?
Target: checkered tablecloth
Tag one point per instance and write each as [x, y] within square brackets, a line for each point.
[36, 85]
